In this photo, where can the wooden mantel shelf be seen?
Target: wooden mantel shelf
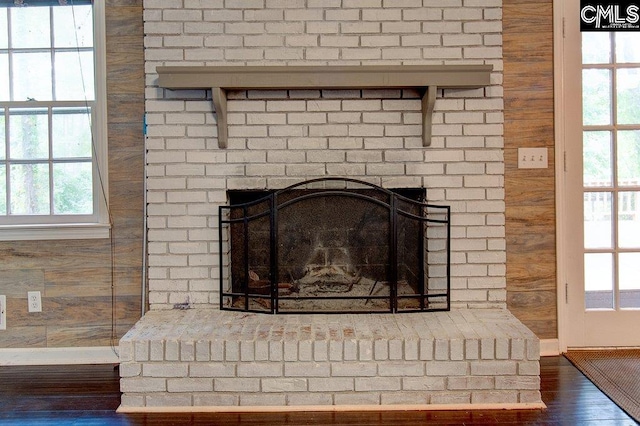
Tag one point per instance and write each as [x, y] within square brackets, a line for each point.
[427, 78]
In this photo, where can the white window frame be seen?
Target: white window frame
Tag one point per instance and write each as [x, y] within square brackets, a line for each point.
[101, 226]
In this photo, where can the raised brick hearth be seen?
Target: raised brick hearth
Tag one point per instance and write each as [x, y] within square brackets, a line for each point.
[215, 360]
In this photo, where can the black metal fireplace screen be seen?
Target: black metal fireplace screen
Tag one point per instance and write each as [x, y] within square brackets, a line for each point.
[334, 245]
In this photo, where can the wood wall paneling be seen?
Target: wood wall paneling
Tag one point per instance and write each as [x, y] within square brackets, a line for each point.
[530, 193]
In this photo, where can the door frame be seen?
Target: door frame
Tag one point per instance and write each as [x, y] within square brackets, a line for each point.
[568, 170]
[559, 130]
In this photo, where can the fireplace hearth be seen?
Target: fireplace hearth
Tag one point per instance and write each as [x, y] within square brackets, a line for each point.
[334, 245]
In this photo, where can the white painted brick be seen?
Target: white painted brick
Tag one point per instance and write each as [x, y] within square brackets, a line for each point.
[259, 369]
[310, 399]
[149, 384]
[322, 27]
[339, 40]
[404, 369]
[361, 3]
[380, 40]
[401, 27]
[307, 369]
[487, 397]
[284, 27]
[302, 40]
[363, 105]
[366, 384]
[331, 384]
[447, 368]
[493, 368]
[284, 385]
[236, 384]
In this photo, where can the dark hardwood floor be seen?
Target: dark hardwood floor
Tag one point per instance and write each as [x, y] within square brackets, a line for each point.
[89, 395]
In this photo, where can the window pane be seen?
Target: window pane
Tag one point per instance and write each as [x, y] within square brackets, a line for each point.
[596, 152]
[598, 280]
[629, 158]
[4, 28]
[29, 185]
[31, 76]
[628, 89]
[72, 188]
[3, 141]
[596, 95]
[71, 133]
[596, 48]
[29, 134]
[629, 219]
[23, 31]
[597, 220]
[627, 47]
[3, 190]
[629, 280]
[4, 77]
[78, 17]
[74, 76]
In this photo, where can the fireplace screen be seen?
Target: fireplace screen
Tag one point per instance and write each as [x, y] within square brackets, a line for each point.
[331, 246]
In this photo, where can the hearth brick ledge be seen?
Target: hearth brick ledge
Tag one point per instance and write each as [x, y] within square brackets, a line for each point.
[211, 360]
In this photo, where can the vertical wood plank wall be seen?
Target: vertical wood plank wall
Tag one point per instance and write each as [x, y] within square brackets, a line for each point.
[530, 193]
[75, 276]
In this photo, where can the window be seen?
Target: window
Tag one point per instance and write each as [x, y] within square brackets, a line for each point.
[52, 120]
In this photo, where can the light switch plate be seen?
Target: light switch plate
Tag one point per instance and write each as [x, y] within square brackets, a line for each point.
[533, 158]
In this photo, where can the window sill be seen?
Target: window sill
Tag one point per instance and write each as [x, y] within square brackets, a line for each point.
[70, 231]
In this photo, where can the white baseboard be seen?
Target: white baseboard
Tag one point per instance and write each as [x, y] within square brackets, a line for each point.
[53, 356]
[549, 347]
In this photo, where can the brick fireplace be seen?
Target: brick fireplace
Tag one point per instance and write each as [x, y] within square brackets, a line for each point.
[204, 142]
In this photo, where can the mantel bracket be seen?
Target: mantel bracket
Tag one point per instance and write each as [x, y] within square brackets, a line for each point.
[220, 79]
[219, 96]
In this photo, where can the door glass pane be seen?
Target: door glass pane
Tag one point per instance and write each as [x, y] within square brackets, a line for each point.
[596, 48]
[72, 186]
[598, 280]
[4, 28]
[596, 152]
[71, 133]
[628, 89]
[596, 96]
[597, 220]
[3, 136]
[627, 47]
[629, 219]
[628, 161]
[29, 189]
[24, 34]
[629, 280]
[4, 77]
[29, 130]
[31, 76]
[3, 190]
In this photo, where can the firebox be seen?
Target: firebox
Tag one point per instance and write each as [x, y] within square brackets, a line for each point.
[334, 245]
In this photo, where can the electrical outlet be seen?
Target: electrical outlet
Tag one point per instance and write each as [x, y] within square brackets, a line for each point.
[35, 301]
[533, 158]
[3, 312]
